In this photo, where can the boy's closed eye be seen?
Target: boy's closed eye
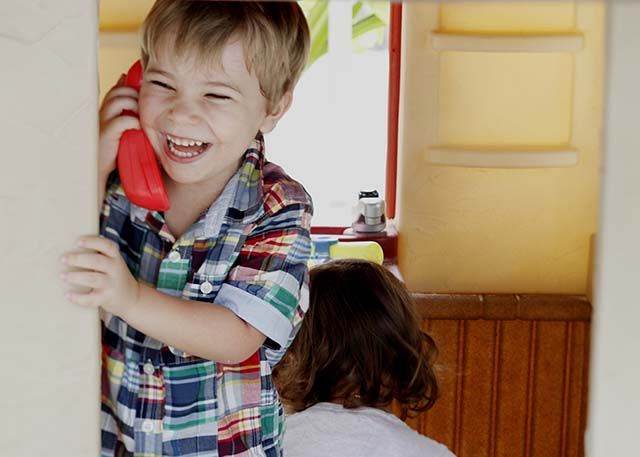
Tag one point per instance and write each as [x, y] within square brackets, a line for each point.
[161, 84]
[217, 96]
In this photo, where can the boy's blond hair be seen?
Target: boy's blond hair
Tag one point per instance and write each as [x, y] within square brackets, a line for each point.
[275, 36]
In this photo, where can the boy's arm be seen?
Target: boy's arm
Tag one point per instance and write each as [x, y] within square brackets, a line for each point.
[204, 329]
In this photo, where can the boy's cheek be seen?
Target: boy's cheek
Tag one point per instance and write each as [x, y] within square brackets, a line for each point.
[147, 103]
[144, 108]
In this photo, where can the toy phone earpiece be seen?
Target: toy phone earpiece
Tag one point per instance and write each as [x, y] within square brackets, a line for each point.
[137, 163]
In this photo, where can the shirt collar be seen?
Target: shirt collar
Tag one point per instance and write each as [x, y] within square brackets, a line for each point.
[247, 201]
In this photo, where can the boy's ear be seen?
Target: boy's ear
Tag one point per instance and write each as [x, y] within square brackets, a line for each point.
[277, 111]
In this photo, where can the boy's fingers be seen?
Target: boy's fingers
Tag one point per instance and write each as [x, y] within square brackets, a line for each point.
[115, 127]
[85, 278]
[101, 244]
[119, 91]
[88, 261]
[90, 299]
[114, 107]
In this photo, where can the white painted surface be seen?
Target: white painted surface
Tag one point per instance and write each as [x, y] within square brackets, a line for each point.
[49, 349]
[614, 418]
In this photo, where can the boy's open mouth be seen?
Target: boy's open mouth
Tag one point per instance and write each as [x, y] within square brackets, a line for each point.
[185, 148]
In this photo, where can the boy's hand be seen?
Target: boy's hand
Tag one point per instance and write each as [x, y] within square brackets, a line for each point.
[113, 123]
[103, 271]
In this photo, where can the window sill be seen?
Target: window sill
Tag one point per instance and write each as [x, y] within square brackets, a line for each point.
[388, 239]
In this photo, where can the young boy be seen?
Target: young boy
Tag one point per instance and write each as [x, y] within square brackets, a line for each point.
[200, 302]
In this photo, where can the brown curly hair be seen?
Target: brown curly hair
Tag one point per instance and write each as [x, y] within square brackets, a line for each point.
[360, 344]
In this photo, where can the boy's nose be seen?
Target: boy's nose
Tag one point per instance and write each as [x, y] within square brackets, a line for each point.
[182, 112]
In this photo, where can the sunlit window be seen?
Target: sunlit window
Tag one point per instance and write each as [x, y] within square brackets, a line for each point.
[334, 137]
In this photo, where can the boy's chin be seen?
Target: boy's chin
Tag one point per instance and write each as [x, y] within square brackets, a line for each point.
[181, 178]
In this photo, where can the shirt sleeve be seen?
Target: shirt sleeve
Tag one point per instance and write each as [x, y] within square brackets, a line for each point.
[267, 286]
[113, 190]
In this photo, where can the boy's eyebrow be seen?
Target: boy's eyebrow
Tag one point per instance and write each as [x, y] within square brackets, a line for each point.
[224, 84]
[163, 73]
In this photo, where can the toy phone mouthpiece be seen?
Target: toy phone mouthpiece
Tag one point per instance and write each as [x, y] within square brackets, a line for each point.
[137, 163]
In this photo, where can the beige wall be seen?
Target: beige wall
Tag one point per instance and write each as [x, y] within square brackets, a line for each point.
[123, 15]
[49, 348]
[499, 151]
[614, 421]
[119, 38]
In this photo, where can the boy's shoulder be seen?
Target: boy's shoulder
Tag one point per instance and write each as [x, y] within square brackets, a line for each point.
[281, 190]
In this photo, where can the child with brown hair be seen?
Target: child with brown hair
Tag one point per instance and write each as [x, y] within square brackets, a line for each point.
[359, 349]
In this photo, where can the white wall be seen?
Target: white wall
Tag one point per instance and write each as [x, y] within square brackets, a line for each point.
[614, 410]
[49, 383]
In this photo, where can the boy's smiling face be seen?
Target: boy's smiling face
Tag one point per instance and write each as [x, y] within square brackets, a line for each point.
[201, 117]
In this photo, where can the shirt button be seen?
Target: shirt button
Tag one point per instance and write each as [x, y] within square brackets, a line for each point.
[174, 256]
[206, 287]
[147, 426]
[149, 368]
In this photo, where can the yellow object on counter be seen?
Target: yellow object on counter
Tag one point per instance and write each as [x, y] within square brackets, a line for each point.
[368, 250]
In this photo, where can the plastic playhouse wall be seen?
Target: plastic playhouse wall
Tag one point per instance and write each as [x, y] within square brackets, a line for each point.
[501, 117]
[48, 197]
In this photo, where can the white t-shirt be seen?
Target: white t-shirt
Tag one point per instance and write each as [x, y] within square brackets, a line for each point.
[328, 429]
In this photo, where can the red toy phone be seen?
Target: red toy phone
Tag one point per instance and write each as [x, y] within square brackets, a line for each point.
[137, 163]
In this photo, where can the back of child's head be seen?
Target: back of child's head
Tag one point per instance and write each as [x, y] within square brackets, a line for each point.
[360, 343]
[275, 36]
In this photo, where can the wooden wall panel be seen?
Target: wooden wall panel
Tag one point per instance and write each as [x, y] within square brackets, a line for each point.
[444, 411]
[475, 395]
[578, 386]
[548, 388]
[512, 374]
[512, 388]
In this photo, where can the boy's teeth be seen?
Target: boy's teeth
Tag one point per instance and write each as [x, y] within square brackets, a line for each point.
[184, 142]
[186, 148]
[180, 153]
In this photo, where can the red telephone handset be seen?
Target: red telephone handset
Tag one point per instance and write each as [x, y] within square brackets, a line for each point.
[137, 163]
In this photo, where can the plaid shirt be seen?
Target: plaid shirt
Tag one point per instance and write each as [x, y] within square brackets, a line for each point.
[248, 253]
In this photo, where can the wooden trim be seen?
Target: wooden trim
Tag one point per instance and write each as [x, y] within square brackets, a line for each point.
[531, 390]
[495, 384]
[566, 387]
[543, 307]
[472, 42]
[459, 398]
[327, 230]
